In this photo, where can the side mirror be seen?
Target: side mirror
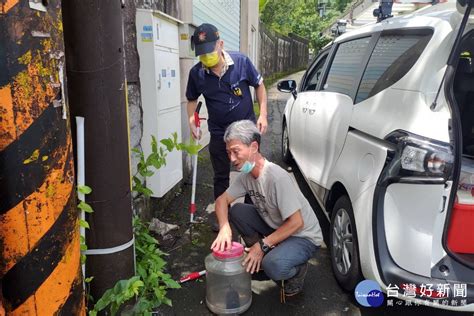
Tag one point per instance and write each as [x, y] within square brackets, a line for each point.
[288, 86]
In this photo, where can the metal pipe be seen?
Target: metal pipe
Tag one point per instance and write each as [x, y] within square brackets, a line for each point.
[80, 157]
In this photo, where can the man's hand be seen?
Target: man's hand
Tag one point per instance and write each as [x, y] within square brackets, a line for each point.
[262, 124]
[193, 129]
[191, 108]
[224, 239]
[254, 258]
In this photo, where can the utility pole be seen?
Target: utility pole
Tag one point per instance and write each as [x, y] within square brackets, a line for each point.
[40, 269]
[97, 91]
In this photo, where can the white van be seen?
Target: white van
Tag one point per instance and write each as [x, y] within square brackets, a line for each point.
[382, 128]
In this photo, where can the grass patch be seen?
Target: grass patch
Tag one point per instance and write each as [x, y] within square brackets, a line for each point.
[256, 109]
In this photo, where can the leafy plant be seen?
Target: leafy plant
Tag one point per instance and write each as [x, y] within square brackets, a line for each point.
[149, 286]
[157, 159]
[261, 5]
[86, 208]
[123, 291]
[150, 266]
[87, 283]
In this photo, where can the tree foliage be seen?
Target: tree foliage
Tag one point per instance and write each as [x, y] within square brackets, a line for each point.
[301, 17]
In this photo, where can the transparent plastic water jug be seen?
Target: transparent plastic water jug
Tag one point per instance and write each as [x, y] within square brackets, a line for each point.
[228, 287]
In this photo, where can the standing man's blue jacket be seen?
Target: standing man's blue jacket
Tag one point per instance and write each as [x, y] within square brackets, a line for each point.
[224, 104]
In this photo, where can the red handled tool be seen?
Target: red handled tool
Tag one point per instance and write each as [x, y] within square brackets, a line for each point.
[192, 276]
[197, 122]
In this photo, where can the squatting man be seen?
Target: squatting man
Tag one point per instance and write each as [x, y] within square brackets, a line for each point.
[280, 229]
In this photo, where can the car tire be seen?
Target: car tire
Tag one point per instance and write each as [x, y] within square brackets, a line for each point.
[344, 246]
[285, 145]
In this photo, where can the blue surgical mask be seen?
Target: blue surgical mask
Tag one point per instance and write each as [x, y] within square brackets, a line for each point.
[247, 167]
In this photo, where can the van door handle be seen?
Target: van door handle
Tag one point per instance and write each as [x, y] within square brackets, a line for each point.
[311, 112]
[305, 109]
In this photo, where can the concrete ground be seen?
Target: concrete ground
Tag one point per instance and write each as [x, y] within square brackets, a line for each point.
[322, 294]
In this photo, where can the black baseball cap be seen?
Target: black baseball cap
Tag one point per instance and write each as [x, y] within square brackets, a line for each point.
[204, 39]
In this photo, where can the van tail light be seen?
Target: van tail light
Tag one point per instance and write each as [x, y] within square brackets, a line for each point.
[418, 157]
[415, 159]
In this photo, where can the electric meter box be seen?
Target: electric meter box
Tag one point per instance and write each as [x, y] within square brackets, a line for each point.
[158, 46]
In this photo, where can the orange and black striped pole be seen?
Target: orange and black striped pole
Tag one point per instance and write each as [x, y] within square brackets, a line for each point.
[39, 236]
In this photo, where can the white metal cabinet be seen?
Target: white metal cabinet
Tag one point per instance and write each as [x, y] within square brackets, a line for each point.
[158, 48]
[168, 85]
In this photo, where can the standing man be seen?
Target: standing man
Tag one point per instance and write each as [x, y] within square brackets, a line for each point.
[280, 227]
[224, 79]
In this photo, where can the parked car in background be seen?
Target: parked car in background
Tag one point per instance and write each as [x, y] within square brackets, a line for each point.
[382, 128]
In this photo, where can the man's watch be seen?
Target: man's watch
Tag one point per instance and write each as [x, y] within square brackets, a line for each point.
[265, 248]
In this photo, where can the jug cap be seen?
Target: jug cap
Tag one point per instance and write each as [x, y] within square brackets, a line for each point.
[236, 251]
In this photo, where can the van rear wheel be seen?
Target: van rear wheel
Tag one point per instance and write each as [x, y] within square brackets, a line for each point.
[344, 245]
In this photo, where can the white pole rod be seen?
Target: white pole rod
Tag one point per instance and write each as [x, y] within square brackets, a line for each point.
[81, 174]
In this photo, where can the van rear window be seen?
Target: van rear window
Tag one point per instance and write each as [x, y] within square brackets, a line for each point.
[346, 65]
[393, 56]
